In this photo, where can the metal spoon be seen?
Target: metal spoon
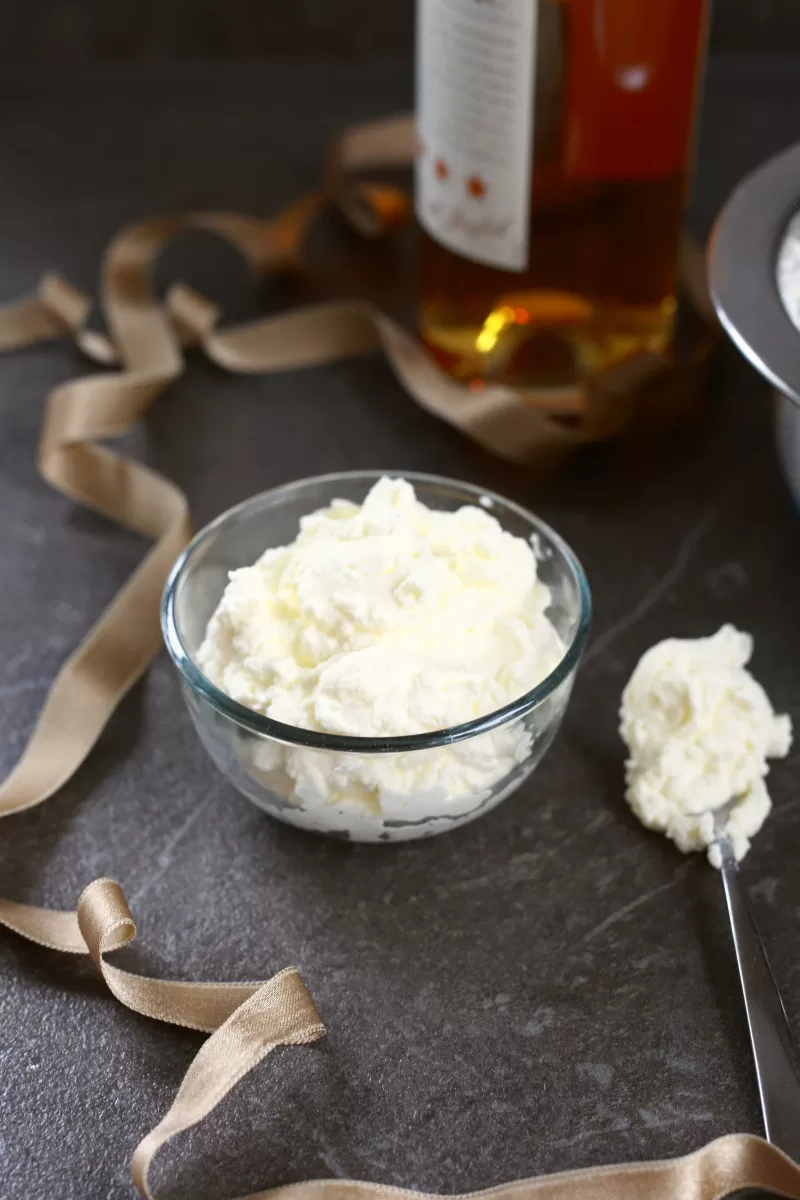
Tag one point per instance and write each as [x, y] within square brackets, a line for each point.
[770, 1035]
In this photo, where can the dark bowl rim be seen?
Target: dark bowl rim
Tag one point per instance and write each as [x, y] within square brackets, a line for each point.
[742, 269]
[264, 726]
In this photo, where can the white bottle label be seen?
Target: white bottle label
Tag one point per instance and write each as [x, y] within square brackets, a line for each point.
[475, 89]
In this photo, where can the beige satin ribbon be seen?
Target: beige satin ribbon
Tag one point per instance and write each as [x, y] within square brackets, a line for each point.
[249, 1020]
[246, 1020]
[145, 340]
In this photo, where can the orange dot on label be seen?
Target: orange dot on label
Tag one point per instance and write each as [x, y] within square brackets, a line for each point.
[476, 187]
[441, 168]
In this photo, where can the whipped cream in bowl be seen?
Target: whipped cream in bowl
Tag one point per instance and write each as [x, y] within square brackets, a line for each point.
[375, 657]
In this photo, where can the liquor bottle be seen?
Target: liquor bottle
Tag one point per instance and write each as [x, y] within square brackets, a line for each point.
[553, 143]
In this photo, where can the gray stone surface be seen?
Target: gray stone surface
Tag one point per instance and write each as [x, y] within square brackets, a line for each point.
[549, 987]
[91, 31]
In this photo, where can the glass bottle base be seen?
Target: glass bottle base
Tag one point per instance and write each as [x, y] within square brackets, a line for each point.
[545, 339]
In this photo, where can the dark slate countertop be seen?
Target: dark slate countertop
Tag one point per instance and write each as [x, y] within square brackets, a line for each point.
[549, 987]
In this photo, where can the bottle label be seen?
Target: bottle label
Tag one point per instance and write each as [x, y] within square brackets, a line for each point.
[475, 91]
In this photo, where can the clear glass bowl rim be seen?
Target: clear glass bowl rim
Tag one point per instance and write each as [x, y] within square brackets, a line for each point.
[293, 735]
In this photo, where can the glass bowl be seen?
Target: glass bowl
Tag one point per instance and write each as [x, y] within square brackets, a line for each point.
[335, 784]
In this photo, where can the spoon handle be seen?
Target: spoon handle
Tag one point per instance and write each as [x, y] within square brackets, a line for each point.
[770, 1036]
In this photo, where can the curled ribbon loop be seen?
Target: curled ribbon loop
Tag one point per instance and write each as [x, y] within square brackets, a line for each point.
[246, 1020]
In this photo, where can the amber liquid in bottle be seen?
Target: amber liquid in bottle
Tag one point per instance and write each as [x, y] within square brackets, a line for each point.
[615, 91]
